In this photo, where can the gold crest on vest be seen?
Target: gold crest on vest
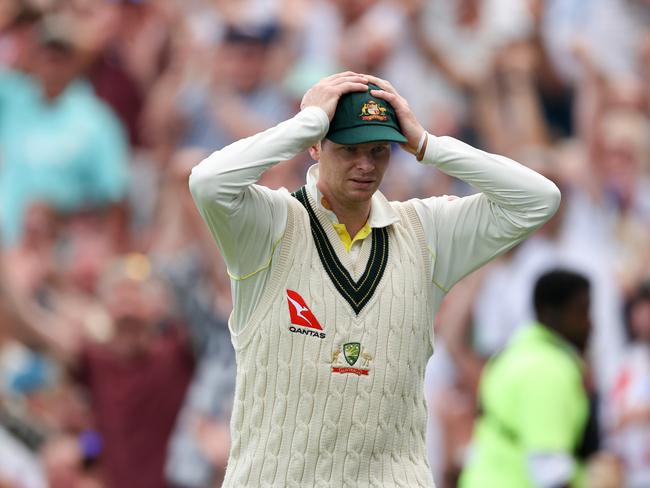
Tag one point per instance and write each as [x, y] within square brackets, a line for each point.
[352, 352]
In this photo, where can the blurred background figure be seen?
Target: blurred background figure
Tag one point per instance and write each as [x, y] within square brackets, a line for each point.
[533, 425]
[60, 144]
[180, 248]
[106, 104]
[233, 94]
[136, 381]
[627, 431]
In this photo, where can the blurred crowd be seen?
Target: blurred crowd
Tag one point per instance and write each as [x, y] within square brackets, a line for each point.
[116, 367]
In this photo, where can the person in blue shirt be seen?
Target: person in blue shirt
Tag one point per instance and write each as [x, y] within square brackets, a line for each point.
[59, 144]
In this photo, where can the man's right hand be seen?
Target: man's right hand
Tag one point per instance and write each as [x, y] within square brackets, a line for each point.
[326, 93]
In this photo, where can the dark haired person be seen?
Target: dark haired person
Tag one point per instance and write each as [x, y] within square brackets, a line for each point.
[534, 405]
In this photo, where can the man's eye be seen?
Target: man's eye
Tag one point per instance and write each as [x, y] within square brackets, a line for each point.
[350, 149]
[379, 151]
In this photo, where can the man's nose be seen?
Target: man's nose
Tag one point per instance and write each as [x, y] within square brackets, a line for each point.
[365, 163]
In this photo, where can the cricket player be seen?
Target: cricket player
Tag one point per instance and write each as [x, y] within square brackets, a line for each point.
[335, 288]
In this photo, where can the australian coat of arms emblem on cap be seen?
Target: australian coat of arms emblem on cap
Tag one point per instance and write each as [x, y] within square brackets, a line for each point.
[371, 110]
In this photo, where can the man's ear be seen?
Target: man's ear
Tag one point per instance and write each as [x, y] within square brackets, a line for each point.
[315, 151]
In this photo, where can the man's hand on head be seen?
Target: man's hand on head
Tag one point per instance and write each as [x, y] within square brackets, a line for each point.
[410, 126]
[326, 93]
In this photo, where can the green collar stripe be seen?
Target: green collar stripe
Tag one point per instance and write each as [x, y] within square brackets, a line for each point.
[357, 294]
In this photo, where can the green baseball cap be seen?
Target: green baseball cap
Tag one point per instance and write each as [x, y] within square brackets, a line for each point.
[360, 118]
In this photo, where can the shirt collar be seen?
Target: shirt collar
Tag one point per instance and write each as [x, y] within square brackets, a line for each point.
[381, 211]
[542, 333]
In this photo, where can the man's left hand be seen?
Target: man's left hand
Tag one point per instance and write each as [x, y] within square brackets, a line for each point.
[410, 126]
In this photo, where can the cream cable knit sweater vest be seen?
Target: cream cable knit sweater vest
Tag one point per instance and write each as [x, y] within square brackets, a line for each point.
[343, 405]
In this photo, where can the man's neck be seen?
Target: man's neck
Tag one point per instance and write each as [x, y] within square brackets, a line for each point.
[354, 216]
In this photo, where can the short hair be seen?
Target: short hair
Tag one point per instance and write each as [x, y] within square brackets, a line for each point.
[556, 288]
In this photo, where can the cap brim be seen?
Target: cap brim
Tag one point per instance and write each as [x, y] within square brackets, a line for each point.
[366, 133]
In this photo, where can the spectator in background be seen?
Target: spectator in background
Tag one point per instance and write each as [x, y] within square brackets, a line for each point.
[359, 35]
[453, 45]
[137, 381]
[125, 45]
[620, 161]
[129, 52]
[181, 248]
[238, 99]
[627, 411]
[60, 144]
[534, 405]
[503, 303]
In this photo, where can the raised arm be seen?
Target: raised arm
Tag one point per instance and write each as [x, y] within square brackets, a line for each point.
[465, 233]
[513, 202]
[245, 219]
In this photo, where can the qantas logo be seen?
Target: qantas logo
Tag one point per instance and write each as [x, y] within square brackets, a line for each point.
[300, 313]
[302, 316]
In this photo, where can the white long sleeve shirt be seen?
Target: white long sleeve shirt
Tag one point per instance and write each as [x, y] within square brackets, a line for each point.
[247, 220]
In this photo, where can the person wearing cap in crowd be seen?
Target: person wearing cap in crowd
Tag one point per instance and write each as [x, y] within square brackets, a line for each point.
[239, 100]
[61, 145]
[335, 288]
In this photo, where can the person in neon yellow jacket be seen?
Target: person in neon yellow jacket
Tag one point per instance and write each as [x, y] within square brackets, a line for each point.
[535, 410]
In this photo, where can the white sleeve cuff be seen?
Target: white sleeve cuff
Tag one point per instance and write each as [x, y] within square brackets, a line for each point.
[550, 469]
[431, 151]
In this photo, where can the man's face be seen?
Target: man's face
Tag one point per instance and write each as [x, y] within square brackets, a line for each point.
[55, 67]
[351, 174]
[242, 65]
[133, 319]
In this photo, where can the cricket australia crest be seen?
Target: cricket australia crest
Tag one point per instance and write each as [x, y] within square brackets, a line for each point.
[352, 351]
[371, 110]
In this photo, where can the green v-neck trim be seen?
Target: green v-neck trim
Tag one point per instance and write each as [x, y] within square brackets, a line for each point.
[359, 293]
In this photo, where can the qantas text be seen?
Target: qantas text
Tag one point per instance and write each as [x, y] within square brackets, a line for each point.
[312, 333]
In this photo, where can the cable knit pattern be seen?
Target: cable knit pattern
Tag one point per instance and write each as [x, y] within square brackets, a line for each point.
[306, 413]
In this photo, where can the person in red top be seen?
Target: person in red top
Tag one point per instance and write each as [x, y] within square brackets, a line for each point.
[137, 381]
